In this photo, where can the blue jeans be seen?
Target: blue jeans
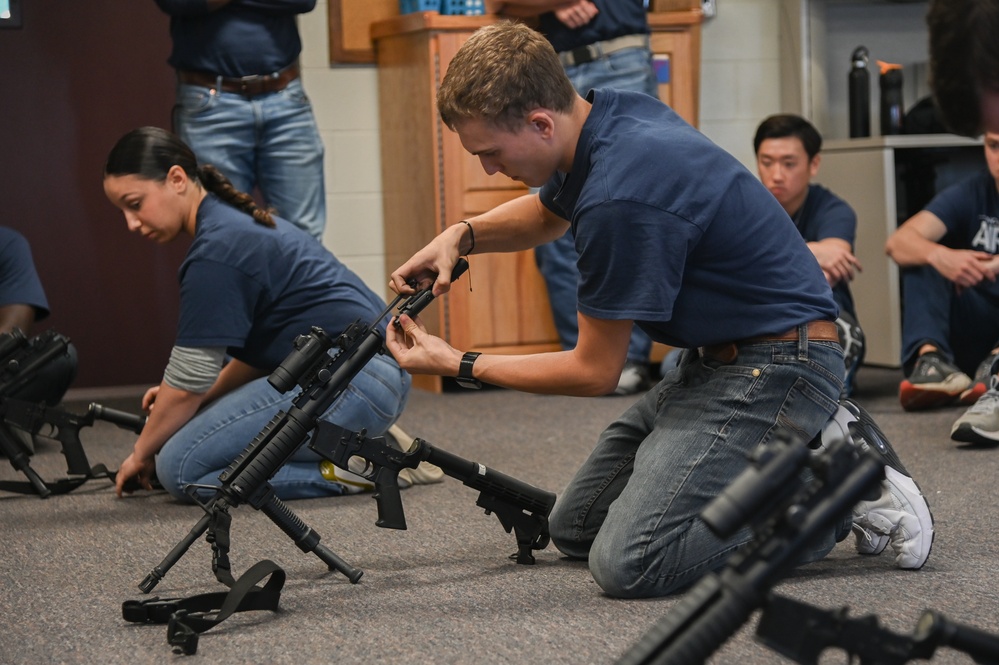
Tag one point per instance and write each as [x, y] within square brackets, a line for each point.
[270, 142]
[629, 69]
[633, 508]
[210, 441]
[965, 326]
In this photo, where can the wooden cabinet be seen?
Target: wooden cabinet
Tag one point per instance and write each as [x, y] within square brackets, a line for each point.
[430, 182]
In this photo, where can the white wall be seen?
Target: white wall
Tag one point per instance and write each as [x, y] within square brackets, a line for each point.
[740, 85]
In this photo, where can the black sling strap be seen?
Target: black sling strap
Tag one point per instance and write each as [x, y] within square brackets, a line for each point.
[186, 618]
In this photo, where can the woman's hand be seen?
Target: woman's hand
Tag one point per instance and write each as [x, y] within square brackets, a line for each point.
[134, 467]
[149, 398]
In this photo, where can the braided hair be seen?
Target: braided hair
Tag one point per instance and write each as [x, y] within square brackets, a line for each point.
[150, 153]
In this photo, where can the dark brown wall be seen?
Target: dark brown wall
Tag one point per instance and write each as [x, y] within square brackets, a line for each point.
[73, 79]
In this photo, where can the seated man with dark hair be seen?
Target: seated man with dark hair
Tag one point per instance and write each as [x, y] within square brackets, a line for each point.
[787, 158]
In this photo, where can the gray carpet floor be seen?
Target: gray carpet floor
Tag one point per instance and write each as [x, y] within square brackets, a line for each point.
[444, 591]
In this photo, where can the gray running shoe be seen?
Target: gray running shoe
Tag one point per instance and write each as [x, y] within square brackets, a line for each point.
[934, 381]
[980, 423]
[983, 376]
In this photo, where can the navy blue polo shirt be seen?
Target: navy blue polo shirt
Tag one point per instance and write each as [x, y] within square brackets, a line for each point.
[615, 18]
[19, 282]
[825, 215]
[676, 234]
[254, 289]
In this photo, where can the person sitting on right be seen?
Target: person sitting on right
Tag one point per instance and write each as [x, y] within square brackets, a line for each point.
[950, 318]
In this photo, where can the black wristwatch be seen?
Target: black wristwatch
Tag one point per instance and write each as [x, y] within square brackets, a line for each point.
[465, 378]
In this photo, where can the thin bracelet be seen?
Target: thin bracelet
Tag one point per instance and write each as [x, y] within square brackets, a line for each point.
[471, 236]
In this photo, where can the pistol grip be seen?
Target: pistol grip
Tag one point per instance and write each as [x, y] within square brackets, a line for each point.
[390, 512]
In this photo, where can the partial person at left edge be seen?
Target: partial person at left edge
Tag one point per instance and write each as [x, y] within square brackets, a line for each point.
[22, 304]
[240, 102]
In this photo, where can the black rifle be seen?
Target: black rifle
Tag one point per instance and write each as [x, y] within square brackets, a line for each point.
[323, 378]
[21, 359]
[786, 515]
[802, 632]
[520, 507]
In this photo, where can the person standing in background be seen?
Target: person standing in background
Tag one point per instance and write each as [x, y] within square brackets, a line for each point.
[602, 44]
[240, 101]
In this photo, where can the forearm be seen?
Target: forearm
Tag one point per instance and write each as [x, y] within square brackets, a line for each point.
[523, 223]
[173, 409]
[235, 374]
[557, 373]
[21, 317]
[909, 249]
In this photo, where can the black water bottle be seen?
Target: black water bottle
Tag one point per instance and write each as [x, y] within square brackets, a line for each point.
[859, 94]
[891, 98]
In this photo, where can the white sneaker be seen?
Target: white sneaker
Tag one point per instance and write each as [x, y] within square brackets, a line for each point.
[900, 516]
[425, 473]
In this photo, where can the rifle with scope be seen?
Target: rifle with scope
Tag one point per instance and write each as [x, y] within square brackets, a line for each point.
[20, 360]
[786, 515]
[323, 378]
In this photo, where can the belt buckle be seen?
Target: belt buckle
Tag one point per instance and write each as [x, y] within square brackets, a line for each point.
[582, 55]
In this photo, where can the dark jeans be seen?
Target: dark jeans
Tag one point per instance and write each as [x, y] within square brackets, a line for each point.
[964, 326]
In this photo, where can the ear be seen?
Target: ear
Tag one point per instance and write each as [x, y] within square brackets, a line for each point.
[177, 178]
[813, 168]
[542, 122]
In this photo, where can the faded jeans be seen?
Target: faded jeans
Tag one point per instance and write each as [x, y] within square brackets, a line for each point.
[204, 447]
[269, 141]
[633, 508]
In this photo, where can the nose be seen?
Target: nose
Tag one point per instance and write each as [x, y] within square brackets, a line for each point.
[490, 166]
[132, 222]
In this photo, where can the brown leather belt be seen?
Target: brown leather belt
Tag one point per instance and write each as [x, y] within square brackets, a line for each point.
[820, 331]
[248, 86]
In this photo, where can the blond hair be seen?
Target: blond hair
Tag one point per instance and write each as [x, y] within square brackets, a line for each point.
[500, 74]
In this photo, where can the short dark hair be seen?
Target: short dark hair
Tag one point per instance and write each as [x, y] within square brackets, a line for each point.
[783, 125]
[964, 59]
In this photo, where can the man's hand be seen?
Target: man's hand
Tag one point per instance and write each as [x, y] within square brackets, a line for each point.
[134, 467]
[836, 260]
[419, 352]
[432, 264]
[964, 267]
[578, 14]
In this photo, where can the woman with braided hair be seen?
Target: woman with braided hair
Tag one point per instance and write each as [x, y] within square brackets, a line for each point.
[250, 283]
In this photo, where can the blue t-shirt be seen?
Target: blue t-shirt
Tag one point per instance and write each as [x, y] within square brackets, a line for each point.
[825, 215]
[674, 233]
[243, 38]
[254, 289]
[970, 211]
[19, 283]
[615, 18]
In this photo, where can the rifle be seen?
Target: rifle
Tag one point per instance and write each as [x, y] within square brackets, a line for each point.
[786, 515]
[323, 378]
[520, 507]
[21, 359]
[802, 632]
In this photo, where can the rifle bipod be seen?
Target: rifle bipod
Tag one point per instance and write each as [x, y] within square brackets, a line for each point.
[216, 523]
